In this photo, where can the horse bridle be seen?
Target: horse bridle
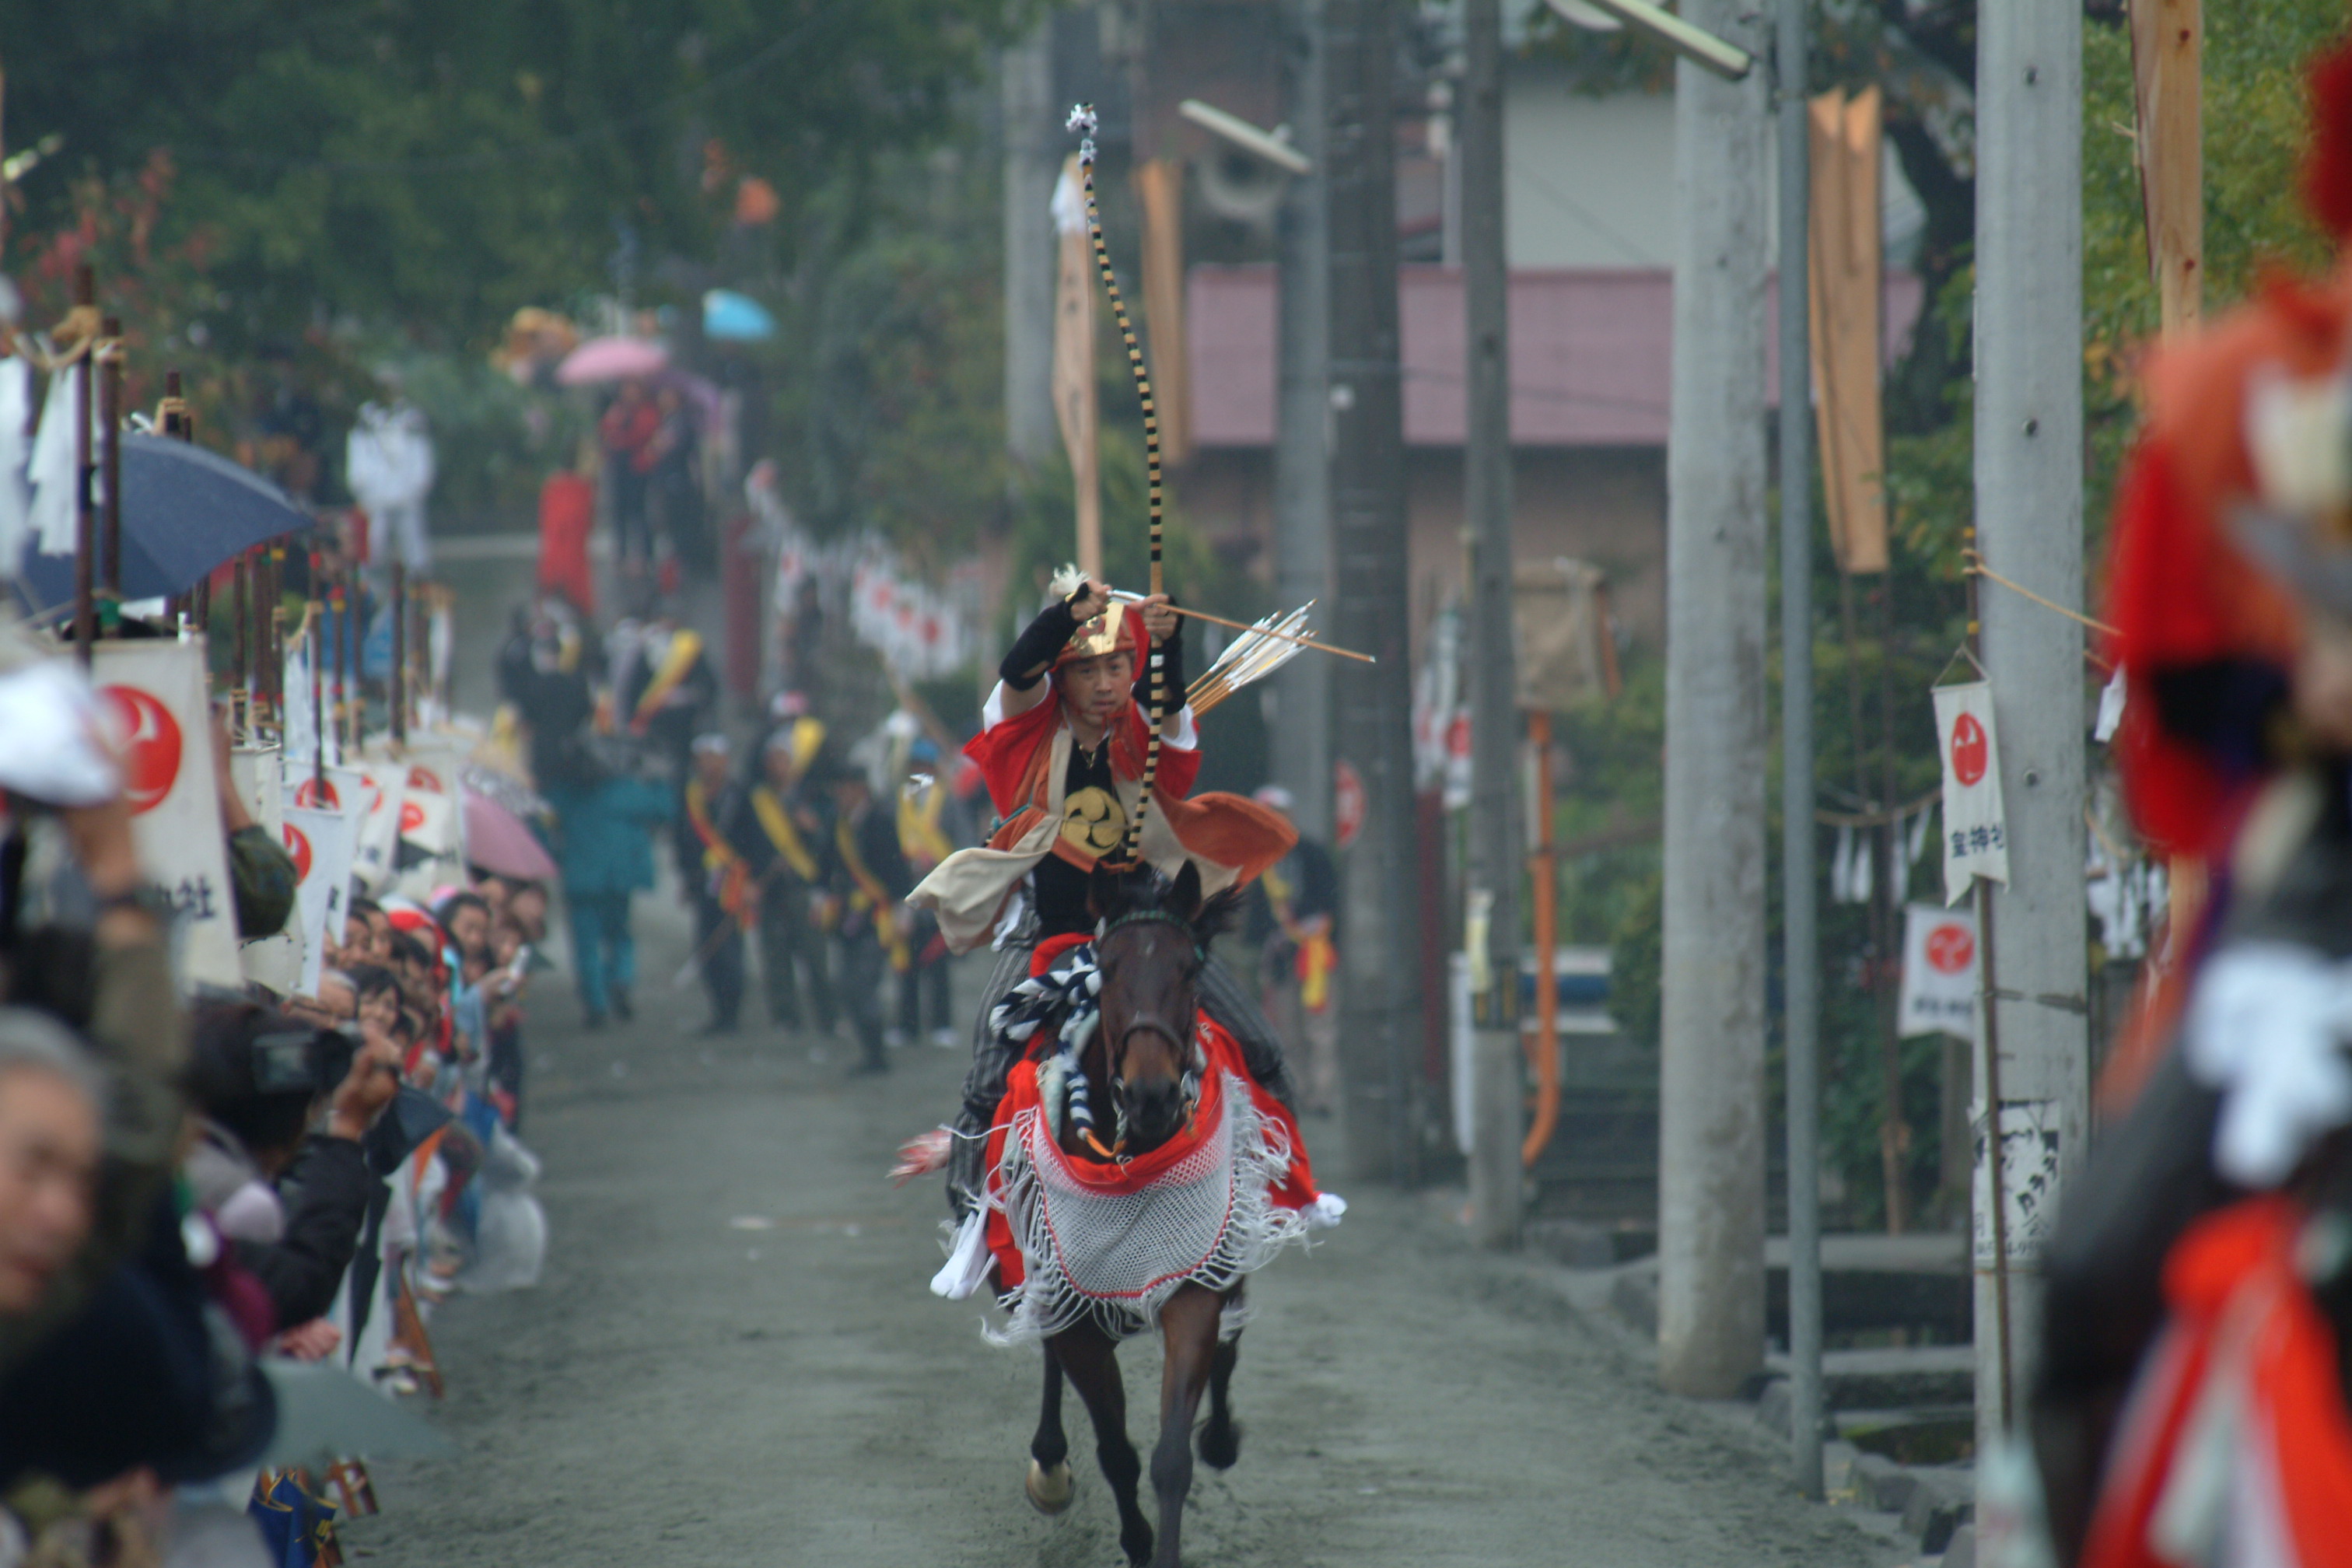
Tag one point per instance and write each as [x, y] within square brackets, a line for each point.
[1188, 1085]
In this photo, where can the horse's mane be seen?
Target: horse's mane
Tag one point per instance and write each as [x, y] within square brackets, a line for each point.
[1121, 891]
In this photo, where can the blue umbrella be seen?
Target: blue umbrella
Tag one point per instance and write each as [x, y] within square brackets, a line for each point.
[730, 317]
[184, 511]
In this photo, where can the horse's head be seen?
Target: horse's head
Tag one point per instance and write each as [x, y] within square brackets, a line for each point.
[1151, 944]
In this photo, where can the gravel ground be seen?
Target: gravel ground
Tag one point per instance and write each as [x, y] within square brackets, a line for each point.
[733, 1360]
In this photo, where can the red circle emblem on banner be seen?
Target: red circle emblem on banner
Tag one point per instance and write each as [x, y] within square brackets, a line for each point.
[314, 794]
[297, 843]
[1348, 803]
[152, 745]
[1970, 750]
[412, 817]
[1950, 948]
[425, 778]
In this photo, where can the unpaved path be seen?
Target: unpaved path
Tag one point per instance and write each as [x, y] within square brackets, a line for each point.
[684, 1390]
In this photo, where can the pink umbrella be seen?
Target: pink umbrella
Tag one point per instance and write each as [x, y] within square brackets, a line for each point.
[611, 359]
[497, 840]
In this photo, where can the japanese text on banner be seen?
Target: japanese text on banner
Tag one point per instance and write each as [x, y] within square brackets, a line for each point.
[1976, 836]
[154, 696]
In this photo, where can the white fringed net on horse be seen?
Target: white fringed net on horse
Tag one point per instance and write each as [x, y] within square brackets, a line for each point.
[1069, 1238]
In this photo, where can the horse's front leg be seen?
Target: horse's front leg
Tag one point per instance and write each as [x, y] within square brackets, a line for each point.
[1048, 1483]
[1188, 1325]
[1090, 1358]
[1221, 1435]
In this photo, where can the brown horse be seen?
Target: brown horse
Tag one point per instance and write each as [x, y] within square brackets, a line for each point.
[1153, 941]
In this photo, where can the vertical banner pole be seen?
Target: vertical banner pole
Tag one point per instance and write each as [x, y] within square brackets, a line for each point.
[399, 654]
[85, 476]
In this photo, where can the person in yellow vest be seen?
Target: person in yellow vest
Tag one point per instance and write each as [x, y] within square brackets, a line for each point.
[721, 894]
[868, 882]
[924, 839]
[1291, 921]
[782, 838]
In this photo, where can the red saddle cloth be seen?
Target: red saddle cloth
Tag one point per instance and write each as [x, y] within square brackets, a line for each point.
[2236, 1446]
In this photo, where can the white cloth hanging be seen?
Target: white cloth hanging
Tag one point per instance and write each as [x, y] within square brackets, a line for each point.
[16, 451]
[51, 469]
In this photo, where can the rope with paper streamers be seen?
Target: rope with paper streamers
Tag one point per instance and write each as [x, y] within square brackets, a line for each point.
[1081, 120]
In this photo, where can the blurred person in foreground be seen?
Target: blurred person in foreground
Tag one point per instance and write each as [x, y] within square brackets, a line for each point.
[108, 977]
[2189, 1403]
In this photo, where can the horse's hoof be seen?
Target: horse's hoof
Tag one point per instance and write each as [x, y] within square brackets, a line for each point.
[1220, 1446]
[1049, 1491]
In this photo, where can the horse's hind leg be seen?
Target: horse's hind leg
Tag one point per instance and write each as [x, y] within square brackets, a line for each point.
[1221, 1437]
[1188, 1323]
[1048, 1483]
[1090, 1358]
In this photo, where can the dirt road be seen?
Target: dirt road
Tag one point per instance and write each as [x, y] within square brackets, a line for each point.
[733, 1360]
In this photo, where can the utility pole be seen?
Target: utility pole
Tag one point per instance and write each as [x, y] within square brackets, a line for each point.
[1033, 158]
[2029, 489]
[1300, 736]
[1711, 1090]
[1381, 893]
[1801, 947]
[1496, 843]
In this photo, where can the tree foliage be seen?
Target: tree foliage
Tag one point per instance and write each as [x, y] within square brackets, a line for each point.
[432, 163]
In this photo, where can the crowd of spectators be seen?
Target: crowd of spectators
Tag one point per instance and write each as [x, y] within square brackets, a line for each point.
[201, 1189]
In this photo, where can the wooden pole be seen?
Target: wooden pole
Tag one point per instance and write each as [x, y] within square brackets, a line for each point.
[313, 643]
[399, 654]
[240, 663]
[345, 600]
[1545, 868]
[85, 475]
[110, 403]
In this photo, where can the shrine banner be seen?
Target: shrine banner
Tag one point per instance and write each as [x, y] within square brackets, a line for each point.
[152, 694]
[321, 843]
[1975, 835]
[1939, 971]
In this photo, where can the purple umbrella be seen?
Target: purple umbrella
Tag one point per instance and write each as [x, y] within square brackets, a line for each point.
[497, 840]
[611, 359]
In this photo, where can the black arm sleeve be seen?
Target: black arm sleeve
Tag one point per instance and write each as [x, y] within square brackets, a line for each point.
[1037, 648]
[327, 1190]
[1171, 666]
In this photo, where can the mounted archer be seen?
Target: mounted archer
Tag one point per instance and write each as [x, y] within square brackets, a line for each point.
[1125, 1155]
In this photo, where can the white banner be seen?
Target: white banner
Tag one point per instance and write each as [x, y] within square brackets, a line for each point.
[277, 960]
[153, 696]
[1939, 971]
[1976, 837]
[429, 816]
[383, 793]
[322, 844]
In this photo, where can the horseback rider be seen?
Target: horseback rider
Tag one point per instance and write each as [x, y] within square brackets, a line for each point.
[1062, 747]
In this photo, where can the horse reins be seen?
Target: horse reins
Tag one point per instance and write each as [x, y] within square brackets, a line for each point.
[1190, 1082]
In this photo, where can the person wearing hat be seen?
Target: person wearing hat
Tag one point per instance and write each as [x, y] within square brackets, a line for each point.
[1063, 746]
[867, 882]
[781, 836]
[722, 892]
[1291, 913]
[923, 838]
